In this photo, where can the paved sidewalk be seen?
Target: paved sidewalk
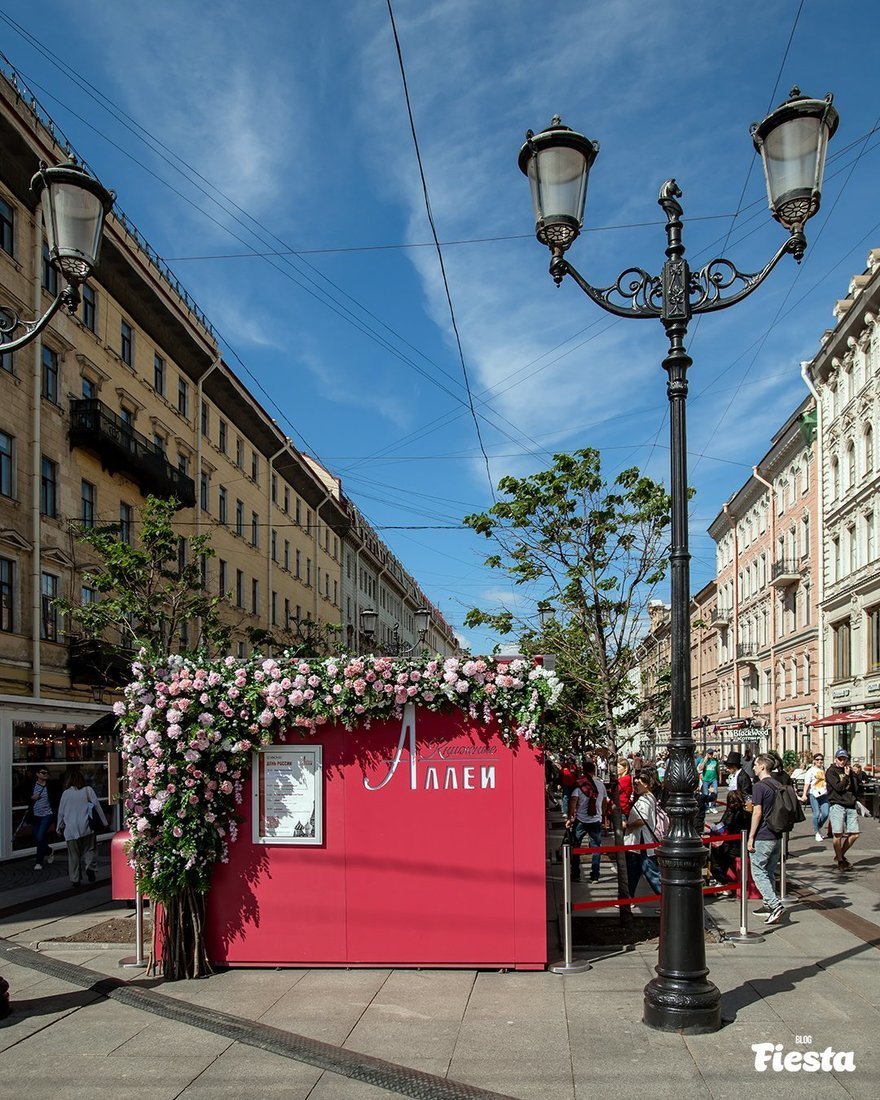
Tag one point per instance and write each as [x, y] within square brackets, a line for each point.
[524, 1035]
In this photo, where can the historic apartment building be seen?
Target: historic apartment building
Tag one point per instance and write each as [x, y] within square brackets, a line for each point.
[704, 658]
[131, 397]
[845, 378]
[766, 616]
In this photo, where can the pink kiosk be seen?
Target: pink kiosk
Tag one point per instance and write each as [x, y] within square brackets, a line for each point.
[415, 844]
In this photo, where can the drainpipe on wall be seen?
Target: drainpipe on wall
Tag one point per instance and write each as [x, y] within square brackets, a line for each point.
[198, 471]
[327, 496]
[772, 508]
[734, 626]
[269, 562]
[36, 471]
[820, 526]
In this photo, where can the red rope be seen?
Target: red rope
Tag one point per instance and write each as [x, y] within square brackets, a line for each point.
[640, 901]
[711, 838]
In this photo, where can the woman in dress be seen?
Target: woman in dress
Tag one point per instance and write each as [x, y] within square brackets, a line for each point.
[77, 803]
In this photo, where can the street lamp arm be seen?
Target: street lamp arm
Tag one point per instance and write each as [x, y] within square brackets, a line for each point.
[707, 285]
[10, 320]
[642, 290]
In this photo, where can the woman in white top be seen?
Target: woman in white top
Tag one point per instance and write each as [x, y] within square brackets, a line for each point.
[73, 821]
[641, 829]
[816, 789]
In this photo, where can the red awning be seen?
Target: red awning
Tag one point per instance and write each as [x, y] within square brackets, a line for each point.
[847, 716]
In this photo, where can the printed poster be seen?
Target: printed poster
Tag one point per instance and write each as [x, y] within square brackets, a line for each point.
[287, 794]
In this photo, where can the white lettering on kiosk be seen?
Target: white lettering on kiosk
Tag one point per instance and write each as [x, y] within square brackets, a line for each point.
[451, 772]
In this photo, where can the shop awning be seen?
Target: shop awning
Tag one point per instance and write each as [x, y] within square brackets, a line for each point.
[845, 717]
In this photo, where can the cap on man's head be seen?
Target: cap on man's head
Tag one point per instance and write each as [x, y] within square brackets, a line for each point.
[841, 754]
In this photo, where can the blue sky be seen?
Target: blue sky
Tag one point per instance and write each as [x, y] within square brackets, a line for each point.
[291, 120]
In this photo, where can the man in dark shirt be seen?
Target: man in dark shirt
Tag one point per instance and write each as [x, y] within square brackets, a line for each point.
[843, 794]
[763, 841]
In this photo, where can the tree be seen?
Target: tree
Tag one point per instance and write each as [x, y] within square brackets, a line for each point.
[597, 551]
[150, 593]
[305, 638]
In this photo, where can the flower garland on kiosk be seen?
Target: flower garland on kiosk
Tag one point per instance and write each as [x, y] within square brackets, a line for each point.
[190, 728]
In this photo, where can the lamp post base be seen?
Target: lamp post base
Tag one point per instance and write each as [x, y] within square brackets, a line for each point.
[685, 1007]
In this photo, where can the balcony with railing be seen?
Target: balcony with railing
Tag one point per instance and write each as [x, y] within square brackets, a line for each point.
[785, 571]
[746, 651]
[96, 428]
[720, 616]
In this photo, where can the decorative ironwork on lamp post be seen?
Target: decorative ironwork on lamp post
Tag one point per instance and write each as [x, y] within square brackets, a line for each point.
[74, 207]
[792, 141]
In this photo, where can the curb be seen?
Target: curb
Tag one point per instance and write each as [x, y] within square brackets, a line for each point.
[80, 945]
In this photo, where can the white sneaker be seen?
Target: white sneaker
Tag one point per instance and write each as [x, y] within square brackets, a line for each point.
[38, 867]
[819, 837]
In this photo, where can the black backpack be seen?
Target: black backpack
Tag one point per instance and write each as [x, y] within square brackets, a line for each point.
[786, 810]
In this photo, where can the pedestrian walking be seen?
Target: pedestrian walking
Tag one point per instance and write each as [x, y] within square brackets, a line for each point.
[585, 814]
[77, 803]
[764, 842]
[843, 794]
[708, 772]
[568, 777]
[816, 790]
[625, 792]
[641, 828]
[738, 779]
[41, 815]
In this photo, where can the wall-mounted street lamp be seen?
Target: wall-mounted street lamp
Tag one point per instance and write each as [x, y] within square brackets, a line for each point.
[74, 207]
[546, 613]
[395, 647]
[792, 142]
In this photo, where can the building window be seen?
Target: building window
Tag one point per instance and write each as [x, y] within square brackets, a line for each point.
[274, 546]
[255, 529]
[159, 442]
[49, 612]
[874, 639]
[126, 416]
[274, 609]
[287, 554]
[221, 437]
[126, 523]
[274, 489]
[50, 273]
[222, 570]
[89, 389]
[299, 563]
[869, 451]
[183, 398]
[286, 500]
[206, 419]
[805, 675]
[204, 492]
[870, 548]
[239, 588]
[287, 614]
[308, 571]
[835, 557]
[49, 487]
[298, 512]
[222, 504]
[841, 651]
[7, 471]
[159, 374]
[835, 479]
[7, 594]
[90, 307]
[239, 453]
[239, 650]
[255, 467]
[183, 463]
[7, 229]
[88, 497]
[239, 517]
[853, 549]
[850, 466]
[255, 597]
[50, 375]
[126, 343]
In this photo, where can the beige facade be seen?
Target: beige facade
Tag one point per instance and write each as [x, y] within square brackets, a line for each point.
[704, 659]
[655, 657]
[845, 374]
[130, 397]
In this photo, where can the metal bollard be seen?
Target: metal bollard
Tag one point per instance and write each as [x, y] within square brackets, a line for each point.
[568, 964]
[137, 962]
[744, 935]
[784, 896]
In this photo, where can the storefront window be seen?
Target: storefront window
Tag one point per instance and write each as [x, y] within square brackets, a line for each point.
[59, 746]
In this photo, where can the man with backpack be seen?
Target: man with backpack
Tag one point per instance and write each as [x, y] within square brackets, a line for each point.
[775, 811]
[585, 812]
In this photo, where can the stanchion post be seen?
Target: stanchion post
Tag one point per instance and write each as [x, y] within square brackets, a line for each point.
[137, 961]
[568, 964]
[784, 896]
[744, 935]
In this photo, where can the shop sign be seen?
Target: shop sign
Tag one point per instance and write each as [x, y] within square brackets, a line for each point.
[840, 693]
[442, 767]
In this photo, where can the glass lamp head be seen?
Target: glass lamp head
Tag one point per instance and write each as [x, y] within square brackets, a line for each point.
[74, 208]
[557, 162]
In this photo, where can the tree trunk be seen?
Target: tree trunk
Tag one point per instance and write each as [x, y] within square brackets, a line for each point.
[184, 954]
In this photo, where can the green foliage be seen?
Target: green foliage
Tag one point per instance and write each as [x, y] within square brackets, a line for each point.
[304, 639]
[596, 550]
[148, 592]
[789, 760]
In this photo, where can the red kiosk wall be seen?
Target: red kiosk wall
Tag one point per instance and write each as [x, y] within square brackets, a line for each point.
[443, 864]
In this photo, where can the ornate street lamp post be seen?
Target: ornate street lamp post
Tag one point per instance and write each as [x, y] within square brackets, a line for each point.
[792, 141]
[395, 647]
[74, 208]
